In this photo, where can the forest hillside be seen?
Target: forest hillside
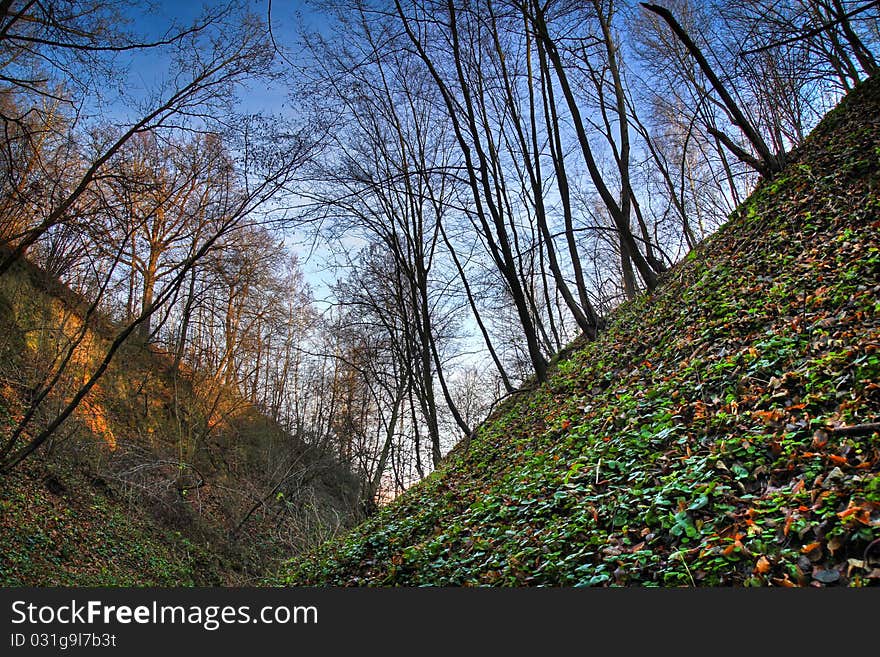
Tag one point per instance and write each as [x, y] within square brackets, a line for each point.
[161, 477]
[723, 430]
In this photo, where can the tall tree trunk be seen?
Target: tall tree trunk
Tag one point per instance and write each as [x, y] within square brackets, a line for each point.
[557, 155]
[184, 323]
[630, 288]
[479, 182]
[619, 214]
[149, 273]
[863, 55]
[768, 162]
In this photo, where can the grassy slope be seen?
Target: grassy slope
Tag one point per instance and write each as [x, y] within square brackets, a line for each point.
[85, 537]
[60, 525]
[694, 442]
[100, 505]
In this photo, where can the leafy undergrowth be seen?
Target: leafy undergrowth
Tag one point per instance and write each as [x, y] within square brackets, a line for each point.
[722, 432]
[59, 528]
[162, 476]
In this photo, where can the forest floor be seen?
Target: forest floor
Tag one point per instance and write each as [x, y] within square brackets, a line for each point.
[722, 431]
[160, 478]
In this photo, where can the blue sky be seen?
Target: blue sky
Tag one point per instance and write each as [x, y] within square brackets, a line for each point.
[146, 69]
[142, 72]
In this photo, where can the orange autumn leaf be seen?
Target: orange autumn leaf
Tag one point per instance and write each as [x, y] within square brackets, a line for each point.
[784, 581]
[769, 417]
[810, 547]
[861, 514]
[840, 460]
[787, 527]
[763, 566]
[737, 543]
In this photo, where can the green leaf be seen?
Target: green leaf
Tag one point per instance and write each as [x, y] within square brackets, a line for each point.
[699, 503]
[739, 471]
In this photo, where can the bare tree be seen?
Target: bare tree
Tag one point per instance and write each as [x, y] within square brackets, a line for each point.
[206, 71]
[256, 181]
[767, 162]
